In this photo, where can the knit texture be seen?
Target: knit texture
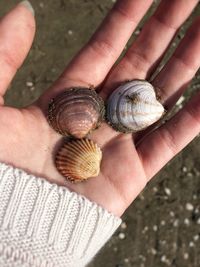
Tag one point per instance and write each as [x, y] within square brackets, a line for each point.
[46, 225]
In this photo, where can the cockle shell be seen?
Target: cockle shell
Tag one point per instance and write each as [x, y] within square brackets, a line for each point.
[79, 160]
[76, 112]
[133, 107]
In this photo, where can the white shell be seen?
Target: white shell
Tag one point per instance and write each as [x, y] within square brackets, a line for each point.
[133, 107]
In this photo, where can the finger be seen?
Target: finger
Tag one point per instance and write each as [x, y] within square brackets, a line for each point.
[94, 61]
[174, 78]
[149, 47]
[17, 30]
[181, 68]
[163, 144]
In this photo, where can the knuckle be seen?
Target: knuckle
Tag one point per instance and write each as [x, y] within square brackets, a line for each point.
[123, 13]
[9, 59]
[167, 138]
[102, 48]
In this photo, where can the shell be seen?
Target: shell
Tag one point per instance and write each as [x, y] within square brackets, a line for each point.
[79, 160]
[133, 106]
[76, 112]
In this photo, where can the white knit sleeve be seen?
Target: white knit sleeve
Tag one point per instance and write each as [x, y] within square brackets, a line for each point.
[45, 225]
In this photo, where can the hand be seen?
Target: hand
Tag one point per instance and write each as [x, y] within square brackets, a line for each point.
[28, 142]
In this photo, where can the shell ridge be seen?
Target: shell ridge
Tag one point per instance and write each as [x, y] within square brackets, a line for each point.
[83, 145]
[121, 120]
[118, 107]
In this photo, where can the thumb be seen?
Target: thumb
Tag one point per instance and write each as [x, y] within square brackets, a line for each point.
[17, 30]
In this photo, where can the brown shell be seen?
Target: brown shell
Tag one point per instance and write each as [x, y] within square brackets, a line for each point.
[79, 160]
[76, 112]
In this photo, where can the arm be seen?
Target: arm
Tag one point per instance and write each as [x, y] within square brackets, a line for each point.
[42, 224]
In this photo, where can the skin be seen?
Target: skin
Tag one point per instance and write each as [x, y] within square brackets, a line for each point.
[28, 142]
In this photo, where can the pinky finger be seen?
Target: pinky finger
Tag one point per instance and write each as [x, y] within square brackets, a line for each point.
[163, 144]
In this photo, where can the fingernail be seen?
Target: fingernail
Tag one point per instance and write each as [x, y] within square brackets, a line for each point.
[28, 5]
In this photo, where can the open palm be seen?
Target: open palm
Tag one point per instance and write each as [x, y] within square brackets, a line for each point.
[27, 140]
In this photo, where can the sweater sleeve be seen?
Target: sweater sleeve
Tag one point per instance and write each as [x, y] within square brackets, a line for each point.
[46, 225]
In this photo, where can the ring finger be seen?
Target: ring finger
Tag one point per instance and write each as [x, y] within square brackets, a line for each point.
[148, 49]
[181, 68]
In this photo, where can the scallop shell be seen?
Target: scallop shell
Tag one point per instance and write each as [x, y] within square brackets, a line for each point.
[79, 160]
[133, 106]
[76, 112]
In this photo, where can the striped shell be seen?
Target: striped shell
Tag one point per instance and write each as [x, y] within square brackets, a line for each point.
[79, 160]
[133, 107]
[76, 112]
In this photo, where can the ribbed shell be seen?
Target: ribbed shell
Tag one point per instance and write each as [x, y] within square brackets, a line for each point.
[79, 160]
[76, 112]
[133, 107]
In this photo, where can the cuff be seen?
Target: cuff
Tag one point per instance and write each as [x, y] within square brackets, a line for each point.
[43, 224]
